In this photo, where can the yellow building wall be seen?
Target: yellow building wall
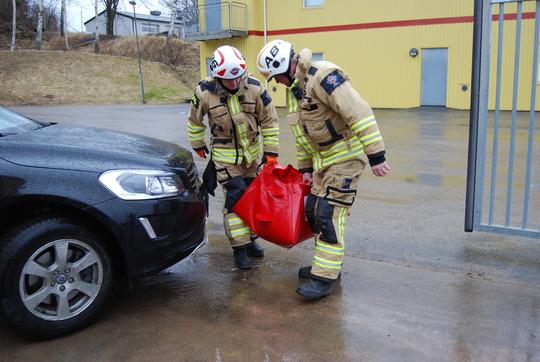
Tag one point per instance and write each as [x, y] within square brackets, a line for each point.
[378, 60]
[286, 14]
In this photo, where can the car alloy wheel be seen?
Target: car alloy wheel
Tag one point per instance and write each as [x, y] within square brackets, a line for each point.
[61, 279]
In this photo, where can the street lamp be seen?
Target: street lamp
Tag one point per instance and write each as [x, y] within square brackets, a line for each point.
[138, 52]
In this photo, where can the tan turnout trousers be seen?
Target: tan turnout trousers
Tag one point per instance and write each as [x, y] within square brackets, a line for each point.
[236, 230]
[335, 188]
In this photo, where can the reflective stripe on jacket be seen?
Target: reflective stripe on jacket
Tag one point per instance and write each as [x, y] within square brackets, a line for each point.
[333, 123]
[241, 125]
[340, 151]
[229, 155]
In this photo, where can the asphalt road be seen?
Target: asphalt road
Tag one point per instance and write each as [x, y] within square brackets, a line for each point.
[414, 286]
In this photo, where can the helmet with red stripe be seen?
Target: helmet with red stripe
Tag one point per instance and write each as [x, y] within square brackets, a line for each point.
[227, 63]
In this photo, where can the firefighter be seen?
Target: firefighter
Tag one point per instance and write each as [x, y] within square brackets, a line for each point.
[336, 136]
[244, 134]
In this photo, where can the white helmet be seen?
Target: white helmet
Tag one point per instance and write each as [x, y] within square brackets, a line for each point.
[227, 63]
[274, 58]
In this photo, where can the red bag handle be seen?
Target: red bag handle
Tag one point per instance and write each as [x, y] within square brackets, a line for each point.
[285, 173]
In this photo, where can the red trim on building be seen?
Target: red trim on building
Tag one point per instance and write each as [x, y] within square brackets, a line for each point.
[385, 24]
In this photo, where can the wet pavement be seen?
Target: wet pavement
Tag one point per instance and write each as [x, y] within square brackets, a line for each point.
[415, 287]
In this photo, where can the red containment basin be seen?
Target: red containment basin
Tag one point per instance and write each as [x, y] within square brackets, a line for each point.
[273, 206]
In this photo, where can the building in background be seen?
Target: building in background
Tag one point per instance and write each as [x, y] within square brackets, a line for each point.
[124, 22]
[399, 54]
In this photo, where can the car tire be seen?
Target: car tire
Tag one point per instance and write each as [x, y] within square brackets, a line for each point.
[56, 276]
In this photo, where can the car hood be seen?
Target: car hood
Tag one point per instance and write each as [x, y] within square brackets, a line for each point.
[90, 149]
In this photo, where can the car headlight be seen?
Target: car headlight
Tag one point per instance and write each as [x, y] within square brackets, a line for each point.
[142, 184]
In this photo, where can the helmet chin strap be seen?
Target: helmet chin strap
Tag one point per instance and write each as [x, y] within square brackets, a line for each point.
[287, 74]
[291, 79]
[230, 91]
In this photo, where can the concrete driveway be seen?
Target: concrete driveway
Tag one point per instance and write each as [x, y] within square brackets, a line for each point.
[414, 285]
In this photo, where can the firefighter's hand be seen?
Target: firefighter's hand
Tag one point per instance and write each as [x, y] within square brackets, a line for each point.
[381, 169]
[270, 160]
[202, 152]
[267, 160]
[308, 177]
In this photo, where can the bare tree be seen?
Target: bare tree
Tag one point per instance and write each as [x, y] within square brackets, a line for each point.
[96, 44]
[174, 9]
[184, 10]
[50, 14]
[110, 10]
[189, 13]
[26, 17]
[39, 30]
[63, 23]
[62, 17]
[14, 26]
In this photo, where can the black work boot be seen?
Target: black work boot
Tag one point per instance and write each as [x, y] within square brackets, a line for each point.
[305, 272]
[315, 289]
[241, 257]
[255, 250]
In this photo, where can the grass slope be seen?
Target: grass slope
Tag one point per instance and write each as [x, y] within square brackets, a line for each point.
[79, 77]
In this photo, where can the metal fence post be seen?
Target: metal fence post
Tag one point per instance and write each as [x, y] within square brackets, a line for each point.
[473, 123]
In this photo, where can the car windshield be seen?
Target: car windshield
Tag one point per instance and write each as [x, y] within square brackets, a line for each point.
[14, 123]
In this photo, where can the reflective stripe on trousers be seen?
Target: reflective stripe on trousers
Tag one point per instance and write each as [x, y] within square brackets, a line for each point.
[236, 230]
[328, 258]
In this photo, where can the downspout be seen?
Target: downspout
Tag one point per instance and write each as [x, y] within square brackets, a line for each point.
[264, 30]
[264, 19]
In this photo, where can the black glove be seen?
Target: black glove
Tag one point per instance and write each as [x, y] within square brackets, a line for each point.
[210, 178]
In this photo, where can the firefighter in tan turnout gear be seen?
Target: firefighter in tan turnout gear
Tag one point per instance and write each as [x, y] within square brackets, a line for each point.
[244, 133]
[335, 130]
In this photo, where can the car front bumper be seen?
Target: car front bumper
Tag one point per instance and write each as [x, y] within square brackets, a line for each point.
[155, 234]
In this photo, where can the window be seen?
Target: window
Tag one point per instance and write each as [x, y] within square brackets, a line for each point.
[208, 60]
[317, 57]
[150, 28]
[313, 3]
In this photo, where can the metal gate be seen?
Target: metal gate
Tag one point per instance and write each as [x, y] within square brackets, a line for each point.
[503, 172]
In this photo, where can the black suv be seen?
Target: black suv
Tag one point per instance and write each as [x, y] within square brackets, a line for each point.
[81, 206]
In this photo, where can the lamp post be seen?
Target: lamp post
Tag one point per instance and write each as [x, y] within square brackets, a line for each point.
[138, 52]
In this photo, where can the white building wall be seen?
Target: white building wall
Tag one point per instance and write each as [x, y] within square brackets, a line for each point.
[123, 26]
[102, 25]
